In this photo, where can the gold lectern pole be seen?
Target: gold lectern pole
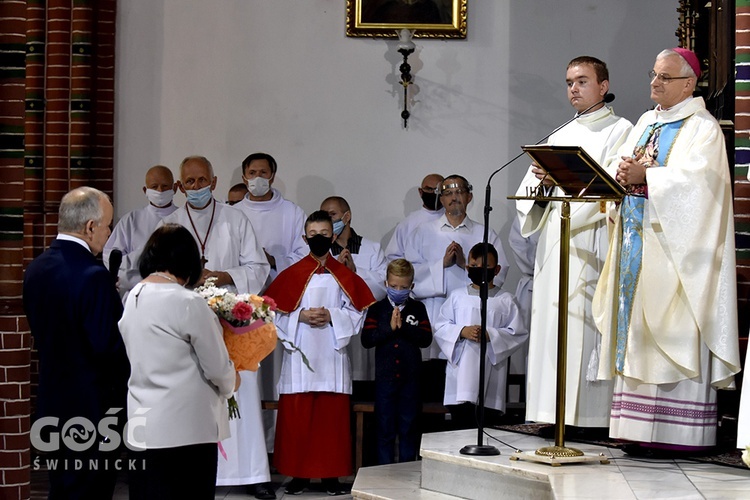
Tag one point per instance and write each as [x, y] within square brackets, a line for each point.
[581, 180]
[559, 450]
[559, 454]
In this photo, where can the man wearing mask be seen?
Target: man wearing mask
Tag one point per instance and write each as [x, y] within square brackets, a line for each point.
[439, 251]
[364, 257]
[134, 228]
[321, 306]
[279, 226]
[431, 209]
[231, 253]
[278, 223]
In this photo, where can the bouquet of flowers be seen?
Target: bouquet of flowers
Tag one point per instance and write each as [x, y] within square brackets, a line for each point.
[249, 331]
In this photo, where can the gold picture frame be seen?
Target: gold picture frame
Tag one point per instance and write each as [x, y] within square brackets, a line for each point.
[385, 18]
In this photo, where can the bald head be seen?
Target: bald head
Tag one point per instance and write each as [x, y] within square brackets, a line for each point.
[428, 191]
[337, 202]
[159, 178]
[431, 181]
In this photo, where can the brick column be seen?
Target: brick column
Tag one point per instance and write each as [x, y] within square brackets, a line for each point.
[742, 162]
[57, 133]
[14, 336]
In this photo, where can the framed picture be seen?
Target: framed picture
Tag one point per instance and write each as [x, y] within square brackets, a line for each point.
[384, 18]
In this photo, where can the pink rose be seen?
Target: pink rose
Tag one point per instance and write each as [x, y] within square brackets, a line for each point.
[242, 311]
[271, 303]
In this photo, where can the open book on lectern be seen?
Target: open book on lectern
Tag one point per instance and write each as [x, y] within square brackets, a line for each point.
[574, 171]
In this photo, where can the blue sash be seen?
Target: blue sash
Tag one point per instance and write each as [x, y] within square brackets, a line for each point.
[656, 142]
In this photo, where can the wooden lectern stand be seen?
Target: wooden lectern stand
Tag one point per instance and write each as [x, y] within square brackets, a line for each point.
[581, 180]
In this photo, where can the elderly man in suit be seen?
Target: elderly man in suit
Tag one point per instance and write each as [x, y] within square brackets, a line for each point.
[73, 307]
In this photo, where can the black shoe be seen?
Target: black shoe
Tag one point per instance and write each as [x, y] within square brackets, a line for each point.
[296, 486]
[263, 491]
[333, 487]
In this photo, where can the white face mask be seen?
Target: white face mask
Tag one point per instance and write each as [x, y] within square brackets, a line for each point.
[258, 186]
[159, 198]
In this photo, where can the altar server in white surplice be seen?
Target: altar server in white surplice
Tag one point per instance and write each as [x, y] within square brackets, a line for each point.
[599, 132]
[364, 257]
[430, 210]
[232, 254]
[457, 332]
[279, 225]
[134, 229]
[439, 249]
[666, 302]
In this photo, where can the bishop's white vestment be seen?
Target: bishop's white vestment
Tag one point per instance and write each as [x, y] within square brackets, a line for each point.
[587, 400]
[666, 302]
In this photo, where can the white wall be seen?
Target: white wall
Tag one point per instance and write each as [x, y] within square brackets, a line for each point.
[227, 78]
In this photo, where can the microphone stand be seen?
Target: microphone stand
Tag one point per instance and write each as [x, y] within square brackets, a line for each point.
[480, 449]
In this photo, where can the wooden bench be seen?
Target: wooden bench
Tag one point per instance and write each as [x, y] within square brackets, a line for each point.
[359, 409]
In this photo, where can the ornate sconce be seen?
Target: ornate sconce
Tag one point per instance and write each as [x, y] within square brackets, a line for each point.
[405, 47]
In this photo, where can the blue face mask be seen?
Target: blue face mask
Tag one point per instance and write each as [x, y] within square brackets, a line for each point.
[199, 198]
[338, 227]
[398, 297]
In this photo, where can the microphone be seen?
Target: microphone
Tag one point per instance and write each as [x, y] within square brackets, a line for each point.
[115, 259]
[605, 100]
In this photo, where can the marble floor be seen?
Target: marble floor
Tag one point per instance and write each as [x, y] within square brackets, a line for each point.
[623, 477]
[39, 489]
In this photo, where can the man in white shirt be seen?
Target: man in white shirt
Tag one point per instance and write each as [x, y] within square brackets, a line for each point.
[232, 254]
[364, 257]
[599, 131]
[135, 227]
[431, 209]
[439, 250]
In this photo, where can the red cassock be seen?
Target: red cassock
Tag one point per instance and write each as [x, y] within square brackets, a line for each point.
[313, 437]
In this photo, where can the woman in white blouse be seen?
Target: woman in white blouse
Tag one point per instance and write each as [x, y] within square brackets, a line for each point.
[181, 375]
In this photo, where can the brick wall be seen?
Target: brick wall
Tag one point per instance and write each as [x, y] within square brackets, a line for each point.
[14, 417]
[742, 161]
[57, 133]
[14, 336]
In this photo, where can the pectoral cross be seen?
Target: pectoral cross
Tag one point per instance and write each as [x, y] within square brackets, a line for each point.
[204, 260]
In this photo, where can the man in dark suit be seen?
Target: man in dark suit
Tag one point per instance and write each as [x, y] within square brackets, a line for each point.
[73, 307]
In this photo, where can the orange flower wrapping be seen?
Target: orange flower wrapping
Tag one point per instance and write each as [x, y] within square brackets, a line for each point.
[248, 345]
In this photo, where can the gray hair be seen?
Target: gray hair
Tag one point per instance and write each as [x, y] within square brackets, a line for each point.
[78, 207]
[685, 68]
[201, 159]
